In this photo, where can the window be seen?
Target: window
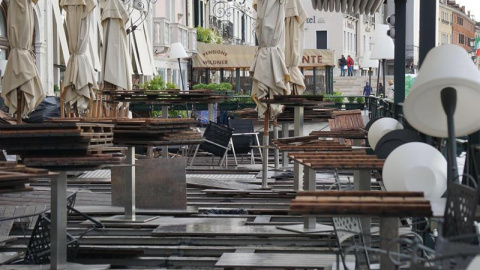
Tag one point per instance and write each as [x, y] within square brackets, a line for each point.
[3, 24]
[461, 39]
[322, 40]
[459, 20]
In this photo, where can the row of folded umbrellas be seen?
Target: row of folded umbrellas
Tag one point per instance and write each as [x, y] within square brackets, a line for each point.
[22, 88]
[279, 30]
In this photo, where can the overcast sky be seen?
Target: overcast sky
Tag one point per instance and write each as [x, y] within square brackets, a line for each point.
[473, 6]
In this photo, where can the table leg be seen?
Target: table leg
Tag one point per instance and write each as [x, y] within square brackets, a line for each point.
[297, 175]
[165, 116]
[310, 184]
[298, 121]
[59, 222]
[129, 174]
[265, 161]
[210, 112]
[276, 151]
[363, 181]
[388, 230]
[284, 153]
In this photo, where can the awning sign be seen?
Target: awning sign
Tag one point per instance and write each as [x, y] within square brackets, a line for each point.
[235, 56]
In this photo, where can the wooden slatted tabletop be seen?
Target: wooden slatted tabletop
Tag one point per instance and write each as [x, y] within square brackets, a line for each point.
[361, 203]
[337, 160]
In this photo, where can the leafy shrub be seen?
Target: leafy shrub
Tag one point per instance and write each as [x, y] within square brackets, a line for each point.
[56, 89]
[337, 97]
[212, 86]
[351, 99]
[171, 85]
[360, 100]
[208, 35]
[199, 86]
[225, 86]
[156, 83]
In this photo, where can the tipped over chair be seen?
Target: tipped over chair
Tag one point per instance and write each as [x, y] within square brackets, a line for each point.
[217, 142]
[243, 137]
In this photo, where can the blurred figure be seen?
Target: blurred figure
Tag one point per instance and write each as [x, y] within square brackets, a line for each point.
[367, 90]
[380, 90]
[350, 63]
[341, 63]
[391, 89]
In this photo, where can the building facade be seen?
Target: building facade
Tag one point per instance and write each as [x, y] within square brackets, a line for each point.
[463, 27]
[445, 23]
[346, 34]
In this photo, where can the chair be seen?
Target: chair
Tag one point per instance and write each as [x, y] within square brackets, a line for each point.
[217, 142]
[38, 248]
[243, 137]
[71, 199]
[349, 228]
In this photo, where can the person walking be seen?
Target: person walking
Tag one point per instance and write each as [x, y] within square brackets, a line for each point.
[350, 65]
[367, 90]
[380, 90]
[341, 63]
[391, 92]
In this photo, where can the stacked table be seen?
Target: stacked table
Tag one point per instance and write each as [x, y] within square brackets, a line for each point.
[13, 176]
[61, 147]
[357, 161]
[386, 205]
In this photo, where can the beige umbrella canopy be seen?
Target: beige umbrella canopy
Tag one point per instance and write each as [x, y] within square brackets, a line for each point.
[21, 82]
[348, 6]
[117, 64]
[270, 74]
[79, 76]
[295, 18]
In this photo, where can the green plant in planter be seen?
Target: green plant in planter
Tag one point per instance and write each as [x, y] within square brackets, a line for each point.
[351, 99]
[56, 89]
[199, 86]
[360, 100]
[225, 86]
[212, 86]
[338, 97]
[171, 85]
[157, 83]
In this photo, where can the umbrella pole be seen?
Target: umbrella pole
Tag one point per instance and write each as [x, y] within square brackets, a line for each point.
[265, 147]
[19, 106]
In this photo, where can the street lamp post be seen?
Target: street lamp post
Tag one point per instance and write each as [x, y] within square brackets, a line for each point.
[177, 52]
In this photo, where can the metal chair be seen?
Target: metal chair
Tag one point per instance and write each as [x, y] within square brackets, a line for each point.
[243, 137]
[71, 211]
[217, 142]
[38, 248]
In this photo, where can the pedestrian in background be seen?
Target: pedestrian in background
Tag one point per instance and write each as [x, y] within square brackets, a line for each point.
[367, 90]
[341, 63]
[350, 63]
[391, 92]
[380, 90]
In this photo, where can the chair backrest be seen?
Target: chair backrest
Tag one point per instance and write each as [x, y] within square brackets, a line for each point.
[217, 134]
[242, 144]
[349, 228]
[460, 210]
[38, 248]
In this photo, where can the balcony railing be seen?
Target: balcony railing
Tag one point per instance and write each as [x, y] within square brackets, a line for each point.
[179, 33]
[161, 34]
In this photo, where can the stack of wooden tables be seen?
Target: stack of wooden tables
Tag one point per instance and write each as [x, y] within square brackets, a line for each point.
[309, 144]
[312, 113]
[60, 145]
[389, 206]
[167, 97]
[156, 131]
[13, 176]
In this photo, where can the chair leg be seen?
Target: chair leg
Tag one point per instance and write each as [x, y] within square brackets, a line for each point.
[221, 160]
[234, 154]
[194, 155]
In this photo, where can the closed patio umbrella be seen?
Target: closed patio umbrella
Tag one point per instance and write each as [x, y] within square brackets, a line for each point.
[22, 89]
[116, 61]
[270, 74]
[79, 79]
[295, 18]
